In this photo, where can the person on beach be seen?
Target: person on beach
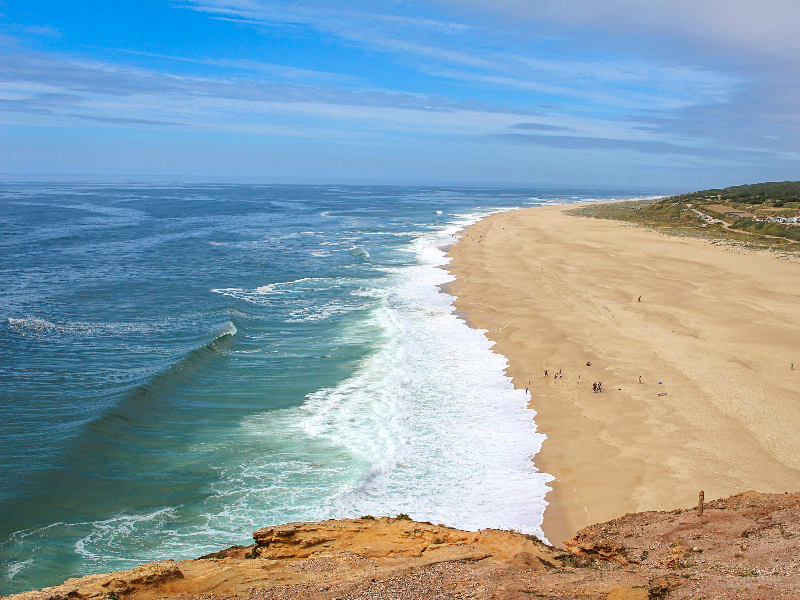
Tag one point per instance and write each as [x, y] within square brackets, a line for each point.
[640, 379]
[545, 372]
[640, 298]
[594, 387]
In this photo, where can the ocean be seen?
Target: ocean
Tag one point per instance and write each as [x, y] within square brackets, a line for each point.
[183, 364]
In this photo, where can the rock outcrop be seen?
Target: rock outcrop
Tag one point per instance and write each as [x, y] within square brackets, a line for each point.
[116, 585]
[746, 546]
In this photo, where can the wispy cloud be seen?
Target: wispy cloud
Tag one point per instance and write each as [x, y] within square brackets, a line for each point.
[582, 142]
[274, 71]
[539, 127]
[255, 96]
[42, 31]
[43, 89]
[738, 28]
[570, 76]
[639, 84]
[47, 86]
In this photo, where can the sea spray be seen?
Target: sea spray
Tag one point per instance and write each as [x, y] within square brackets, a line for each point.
[440, 430]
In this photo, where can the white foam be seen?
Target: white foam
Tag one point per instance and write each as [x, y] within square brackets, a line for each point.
[270, 288]
[299, 299]
[319, 311]
[440, 431]
[112, 538]
[15, 567]
[359, 251]
[33, 325]
[427, 424]
[226, 328]
[39, 327]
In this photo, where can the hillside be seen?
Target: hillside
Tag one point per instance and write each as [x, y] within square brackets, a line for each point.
[770, 194]
[764, 215]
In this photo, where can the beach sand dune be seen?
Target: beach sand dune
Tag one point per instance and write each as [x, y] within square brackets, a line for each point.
[713, 339]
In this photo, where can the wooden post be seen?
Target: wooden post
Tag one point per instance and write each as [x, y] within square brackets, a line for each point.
[700, 505]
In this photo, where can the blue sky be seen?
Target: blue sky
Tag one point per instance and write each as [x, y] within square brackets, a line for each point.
[616, 93]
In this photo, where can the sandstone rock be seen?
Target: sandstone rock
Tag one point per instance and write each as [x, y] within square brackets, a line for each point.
[369, 537]
[111, 584]
[629, 592]
[744, 546]
[598, 550]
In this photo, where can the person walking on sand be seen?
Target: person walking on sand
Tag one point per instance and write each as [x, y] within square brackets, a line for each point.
[640, 379]
[640, 298]
[594, 387]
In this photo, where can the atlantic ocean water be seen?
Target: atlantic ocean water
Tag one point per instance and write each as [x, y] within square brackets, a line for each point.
[183, 364]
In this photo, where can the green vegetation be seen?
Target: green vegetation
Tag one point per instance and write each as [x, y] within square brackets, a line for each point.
[747, 573]
[403, 517]
[753, 215]
[777, 194]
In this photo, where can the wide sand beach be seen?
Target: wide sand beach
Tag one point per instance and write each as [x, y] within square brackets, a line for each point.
[713, 339]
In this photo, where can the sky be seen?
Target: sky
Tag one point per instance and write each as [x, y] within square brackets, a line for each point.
[639, 94]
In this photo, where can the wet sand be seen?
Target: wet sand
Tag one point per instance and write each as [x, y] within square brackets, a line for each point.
[713, 340]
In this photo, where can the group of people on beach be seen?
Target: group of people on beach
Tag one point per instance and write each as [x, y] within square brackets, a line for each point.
[556, 376]
[597, 386]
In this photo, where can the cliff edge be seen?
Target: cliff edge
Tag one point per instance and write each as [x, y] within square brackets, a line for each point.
[744, 546]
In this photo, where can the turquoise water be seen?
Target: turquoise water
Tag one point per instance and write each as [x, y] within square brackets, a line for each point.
[181, 365]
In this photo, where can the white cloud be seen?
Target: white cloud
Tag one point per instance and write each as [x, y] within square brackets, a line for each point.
[46, 90]
[636, 83]
[274, 71]
[738, 27]
[571, 71]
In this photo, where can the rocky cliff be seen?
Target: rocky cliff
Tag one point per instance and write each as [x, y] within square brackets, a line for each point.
[745, 546]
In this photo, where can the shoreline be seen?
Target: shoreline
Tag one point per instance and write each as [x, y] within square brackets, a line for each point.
[716, 327]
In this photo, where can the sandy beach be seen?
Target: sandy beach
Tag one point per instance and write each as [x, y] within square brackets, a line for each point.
[713, 339]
